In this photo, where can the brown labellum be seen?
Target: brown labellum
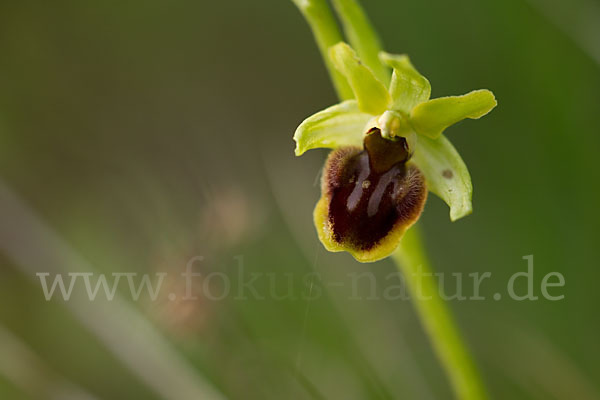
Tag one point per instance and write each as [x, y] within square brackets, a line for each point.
[372, 196]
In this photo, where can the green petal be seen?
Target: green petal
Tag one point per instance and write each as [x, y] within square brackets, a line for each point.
[408, 87]
[432, 117]
[339, 125]
[372, 96]
[445, 173]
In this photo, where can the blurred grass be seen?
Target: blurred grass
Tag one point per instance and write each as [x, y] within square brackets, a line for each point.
[126, 124]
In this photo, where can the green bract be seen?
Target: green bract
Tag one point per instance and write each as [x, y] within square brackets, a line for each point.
[403, 110]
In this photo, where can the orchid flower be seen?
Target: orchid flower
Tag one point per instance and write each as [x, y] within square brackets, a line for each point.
[388, 151]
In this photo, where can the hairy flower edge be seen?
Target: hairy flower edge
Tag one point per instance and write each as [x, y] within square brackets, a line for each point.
[411, 206]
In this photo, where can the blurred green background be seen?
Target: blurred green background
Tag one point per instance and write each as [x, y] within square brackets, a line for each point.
[144, 133]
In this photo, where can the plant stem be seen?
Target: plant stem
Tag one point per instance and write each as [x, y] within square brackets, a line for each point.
[326, 33]
[436, 317]
[362, 37]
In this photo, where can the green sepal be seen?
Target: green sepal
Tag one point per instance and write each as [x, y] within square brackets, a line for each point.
[446, 174]
[432, 117]
[340, 125]
[372, 96]
[408, 87]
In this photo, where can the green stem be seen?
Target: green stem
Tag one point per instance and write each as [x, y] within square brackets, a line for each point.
[362, 37]
[326, 33]
[437, 319]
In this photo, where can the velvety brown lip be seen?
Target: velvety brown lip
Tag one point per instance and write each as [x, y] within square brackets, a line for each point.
[372, 191]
